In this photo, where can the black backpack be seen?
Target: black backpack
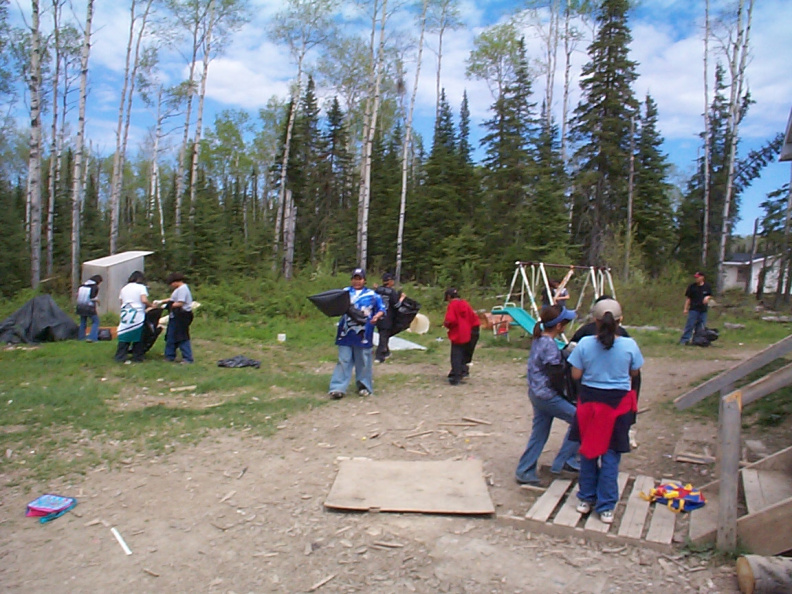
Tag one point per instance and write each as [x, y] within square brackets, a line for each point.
[703, 336]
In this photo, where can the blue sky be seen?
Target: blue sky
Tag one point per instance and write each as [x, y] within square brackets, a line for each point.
[666, 43]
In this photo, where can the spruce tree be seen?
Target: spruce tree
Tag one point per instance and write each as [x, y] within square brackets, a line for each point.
[510, 137]
[652, 210]
[601, 130]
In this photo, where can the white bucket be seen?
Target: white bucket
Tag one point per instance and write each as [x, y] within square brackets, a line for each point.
[420, 325]
[281, 338]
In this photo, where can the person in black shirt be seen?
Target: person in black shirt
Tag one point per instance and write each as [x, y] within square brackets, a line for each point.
[697, 297]
[391, 298]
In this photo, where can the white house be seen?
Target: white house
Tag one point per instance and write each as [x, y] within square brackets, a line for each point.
[739, 266]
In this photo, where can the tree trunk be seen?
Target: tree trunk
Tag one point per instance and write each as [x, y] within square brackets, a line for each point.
[186, 134]
[705, 230]
[289, 226]
[77, 176]
[753, 255]
[740, 51]
[279, 216]
[764, 575]
[34, 158]
[199, 115]
[365, 182]
[54, 153]
[630, 189]
[407, 145]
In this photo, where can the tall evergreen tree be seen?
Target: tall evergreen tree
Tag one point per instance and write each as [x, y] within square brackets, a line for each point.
[509, 141]
[652, 211]
[601, 129]
[434, 214]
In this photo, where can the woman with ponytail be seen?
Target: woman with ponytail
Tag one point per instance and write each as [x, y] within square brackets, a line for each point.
[604, 364]
[546, 392]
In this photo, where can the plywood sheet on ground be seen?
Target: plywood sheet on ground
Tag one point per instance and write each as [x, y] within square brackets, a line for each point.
[440, 487]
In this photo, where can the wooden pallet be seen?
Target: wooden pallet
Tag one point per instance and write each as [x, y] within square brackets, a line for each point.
[635, 521]
[766, 526]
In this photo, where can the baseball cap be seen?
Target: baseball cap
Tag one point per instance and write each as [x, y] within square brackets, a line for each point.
[606, 305]
[359, 272]
[699, 275]
[387, 276]
[566, 315]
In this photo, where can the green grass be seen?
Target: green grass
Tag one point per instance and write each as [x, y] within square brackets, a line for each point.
[65, 407]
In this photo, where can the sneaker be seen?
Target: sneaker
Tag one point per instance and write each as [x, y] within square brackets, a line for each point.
[363, 392]
[336, 395]
[583, 507]
[606, 517]
[534, 482]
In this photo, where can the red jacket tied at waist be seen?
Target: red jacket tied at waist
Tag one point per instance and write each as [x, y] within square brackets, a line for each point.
[596, 421]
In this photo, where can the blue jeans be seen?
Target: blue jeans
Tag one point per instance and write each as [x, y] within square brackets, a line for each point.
[694, 320]
[544, 411]
[598, 483]
[94, 335]
[350, 357]
[184, 346]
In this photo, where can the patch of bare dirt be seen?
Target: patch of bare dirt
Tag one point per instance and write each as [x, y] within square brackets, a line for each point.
[240, 513]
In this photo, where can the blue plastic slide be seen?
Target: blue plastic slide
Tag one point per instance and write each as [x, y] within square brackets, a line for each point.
[523, 319]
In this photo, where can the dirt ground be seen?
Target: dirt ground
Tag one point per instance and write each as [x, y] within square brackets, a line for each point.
[240, 513]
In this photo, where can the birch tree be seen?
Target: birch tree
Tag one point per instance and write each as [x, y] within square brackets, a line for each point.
[705, 227]
[736, 46]
[77, 176]
[407, 143]
[379, 22]
[302, 26]
[441, 16]
[34, 145]
[137, 30]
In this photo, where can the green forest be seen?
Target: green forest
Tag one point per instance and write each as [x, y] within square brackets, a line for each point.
[302, 185]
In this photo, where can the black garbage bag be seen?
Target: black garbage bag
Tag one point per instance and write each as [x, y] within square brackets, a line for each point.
[332, 303]
[358, 316]
[405, 314]
[39, 320]
[151, 328]
[239, 361]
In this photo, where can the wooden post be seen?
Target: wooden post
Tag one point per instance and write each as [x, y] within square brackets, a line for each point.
[729, 438]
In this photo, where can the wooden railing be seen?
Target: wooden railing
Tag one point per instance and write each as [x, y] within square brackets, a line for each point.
[730, 424]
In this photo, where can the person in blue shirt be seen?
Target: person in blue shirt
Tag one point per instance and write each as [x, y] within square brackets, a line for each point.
[545, 390]
[354, 338]
[607, 405]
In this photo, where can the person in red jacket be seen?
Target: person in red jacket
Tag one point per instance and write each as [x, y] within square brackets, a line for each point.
[459, 319]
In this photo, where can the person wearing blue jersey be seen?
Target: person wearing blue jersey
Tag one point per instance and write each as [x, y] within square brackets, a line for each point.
[604, 364]
[354, 338]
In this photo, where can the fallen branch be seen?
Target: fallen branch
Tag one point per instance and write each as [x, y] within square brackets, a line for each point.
[477, 421]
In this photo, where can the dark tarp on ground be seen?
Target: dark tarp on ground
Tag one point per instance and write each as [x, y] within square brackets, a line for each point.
[39, 320]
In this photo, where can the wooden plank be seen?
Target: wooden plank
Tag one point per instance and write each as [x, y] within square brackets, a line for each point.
[736, 373]
[661, 527]
[558, 531]
[768, 532]
[781, 460]
[545, 505]
[764, 488]
[729, 427]
[568, 515]
[768, 384]
[637, 509]
[438, 486]
[704, 521]
[593, 522]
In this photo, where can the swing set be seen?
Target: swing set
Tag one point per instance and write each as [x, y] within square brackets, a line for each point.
[530, 280]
